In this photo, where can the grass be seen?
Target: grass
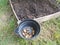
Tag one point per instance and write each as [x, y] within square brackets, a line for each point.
[58, 1]
[50, 30]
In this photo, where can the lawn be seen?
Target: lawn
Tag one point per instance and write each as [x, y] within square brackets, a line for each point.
[49, 35]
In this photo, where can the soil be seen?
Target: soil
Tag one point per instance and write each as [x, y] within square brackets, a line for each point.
[33, 8]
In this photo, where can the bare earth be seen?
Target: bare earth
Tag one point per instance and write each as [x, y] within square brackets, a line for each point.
[33, 8]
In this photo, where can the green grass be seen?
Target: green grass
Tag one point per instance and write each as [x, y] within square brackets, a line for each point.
[54, 26]
[8, 25]
[58, 1]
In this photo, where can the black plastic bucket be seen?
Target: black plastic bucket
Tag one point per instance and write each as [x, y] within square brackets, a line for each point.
[25, 23]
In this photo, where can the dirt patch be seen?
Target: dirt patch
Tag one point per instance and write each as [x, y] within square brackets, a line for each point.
[33, 8]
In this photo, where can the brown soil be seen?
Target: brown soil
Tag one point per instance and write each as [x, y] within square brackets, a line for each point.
[33, 8]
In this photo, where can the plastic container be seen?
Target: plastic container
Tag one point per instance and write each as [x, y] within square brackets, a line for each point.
[26, 23]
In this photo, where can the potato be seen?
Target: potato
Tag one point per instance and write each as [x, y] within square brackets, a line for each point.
[30, 36]
[26, 32]
[27, 36]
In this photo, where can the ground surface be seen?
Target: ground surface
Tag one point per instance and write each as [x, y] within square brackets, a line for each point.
[49, 35]
[33, 8]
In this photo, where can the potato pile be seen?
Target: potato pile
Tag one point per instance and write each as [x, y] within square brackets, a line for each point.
[28, 32]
